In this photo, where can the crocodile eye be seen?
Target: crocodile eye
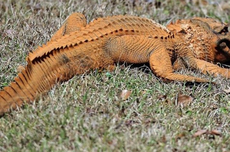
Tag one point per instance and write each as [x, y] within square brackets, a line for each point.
[217, 30]
[226, 29]
[221, 30]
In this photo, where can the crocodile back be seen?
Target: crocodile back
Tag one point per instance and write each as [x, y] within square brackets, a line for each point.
[103, 28]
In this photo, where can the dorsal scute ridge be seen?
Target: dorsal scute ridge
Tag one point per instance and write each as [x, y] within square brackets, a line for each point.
[102, 25]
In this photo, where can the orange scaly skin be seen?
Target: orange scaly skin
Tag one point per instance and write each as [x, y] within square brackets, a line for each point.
[78, 47]
[203, 37]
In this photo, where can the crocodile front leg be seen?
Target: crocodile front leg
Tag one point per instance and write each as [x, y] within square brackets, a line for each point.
[212, 69]
[204, 66]
[161, 65]
[144, 49]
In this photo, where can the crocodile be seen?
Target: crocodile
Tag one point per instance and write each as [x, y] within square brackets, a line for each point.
[78, 47]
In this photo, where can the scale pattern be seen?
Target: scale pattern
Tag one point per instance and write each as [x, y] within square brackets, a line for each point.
[78, 47]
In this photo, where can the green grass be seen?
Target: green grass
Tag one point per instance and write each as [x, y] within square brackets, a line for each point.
[87, 113]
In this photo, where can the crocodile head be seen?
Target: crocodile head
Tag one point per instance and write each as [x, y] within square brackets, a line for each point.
[215, 35]
[223, 44]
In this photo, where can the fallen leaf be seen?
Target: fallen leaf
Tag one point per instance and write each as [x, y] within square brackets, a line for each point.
[129, 123]
[38, 7]
[125, 94]
[199, 133]
[184, 100]
[163, 139]
[200, 2]
[212, 132]
[143, 92]
[180, 135]
[226, 90]
[162, 96]
[225, 7]
[215, 132]
[10, 32]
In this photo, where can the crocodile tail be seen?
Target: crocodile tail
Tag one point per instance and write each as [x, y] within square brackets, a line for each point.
[36, 78]
[17, 92]
[32, 81]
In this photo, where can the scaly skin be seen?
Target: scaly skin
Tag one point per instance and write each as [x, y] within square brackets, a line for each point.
[208, 40]
[78, 47]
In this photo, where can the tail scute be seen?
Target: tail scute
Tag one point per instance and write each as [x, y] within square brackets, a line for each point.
[7, 100]
[25, 79]
[17, 92]
[24, 85]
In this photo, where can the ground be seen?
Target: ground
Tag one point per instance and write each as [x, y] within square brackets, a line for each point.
[89, 112]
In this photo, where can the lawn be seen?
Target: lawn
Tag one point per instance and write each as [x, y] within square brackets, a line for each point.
[90, 111]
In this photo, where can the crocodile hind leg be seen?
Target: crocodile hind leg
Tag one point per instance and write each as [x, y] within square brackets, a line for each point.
[143, 49]
[73, 23]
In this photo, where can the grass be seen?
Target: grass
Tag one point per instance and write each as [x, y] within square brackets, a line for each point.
[87, 113]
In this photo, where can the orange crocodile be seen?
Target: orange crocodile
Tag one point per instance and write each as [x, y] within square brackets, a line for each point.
[78, 47]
